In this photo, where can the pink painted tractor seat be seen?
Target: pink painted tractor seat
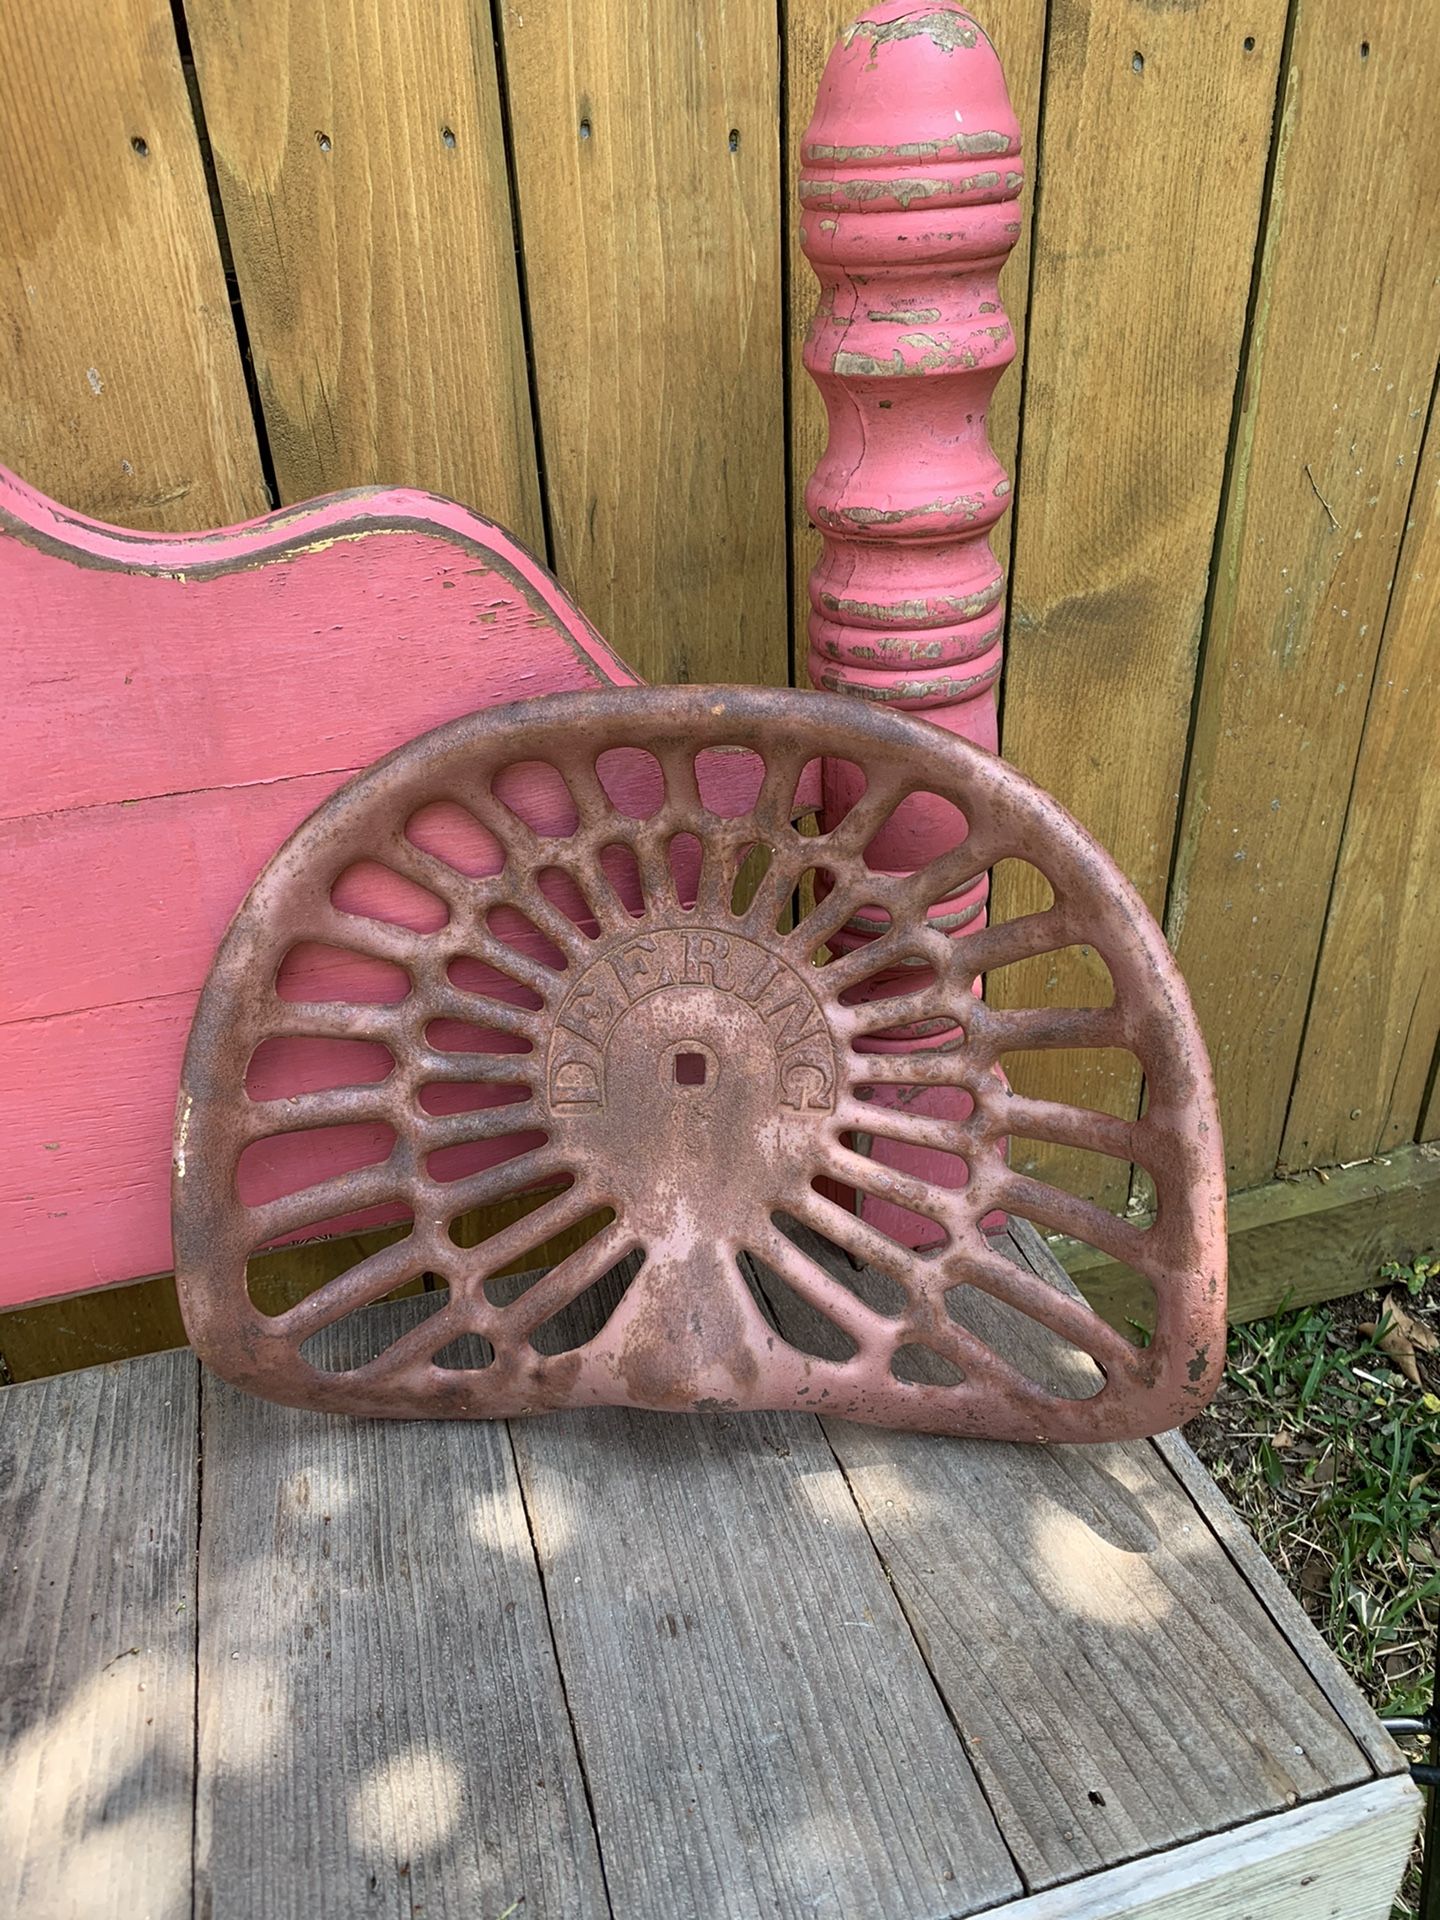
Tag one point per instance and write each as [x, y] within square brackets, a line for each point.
[575, 994]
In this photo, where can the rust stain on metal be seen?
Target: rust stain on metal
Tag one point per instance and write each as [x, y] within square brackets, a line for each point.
[693, 1066]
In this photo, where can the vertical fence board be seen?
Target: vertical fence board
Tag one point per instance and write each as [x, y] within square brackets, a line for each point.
[811, 29]
[1341, 364]
[121, 390]
[646, 162]
[1143, 248]
[1018, 34]
[1371, 1032]
[361, 162]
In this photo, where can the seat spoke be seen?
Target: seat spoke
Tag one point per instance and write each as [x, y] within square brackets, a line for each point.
[848, 838]
[362, 1285]
[907, 1128]
[1005, 942]
[887, 1012]
[856, 1237]
[335, 1020]
[949, 1066]
[553, 921]
[429, 871]
[449, 1002]
[901, 942]
[1061, 1126]
[592, 803]
[774, 807]
[1064, 1314]
[997, 1030]
[882, 1182]
[531, 1169]
[332, 1199]
[466, 1069]
[524, 849]
[567, 1279]
[522, 967]
[951, 872]
[480, 1123]
[331, 1107]
[821, 1290]
[1061, 1212]
[360, 933]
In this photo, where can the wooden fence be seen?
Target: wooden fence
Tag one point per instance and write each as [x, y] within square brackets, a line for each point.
[545, 261]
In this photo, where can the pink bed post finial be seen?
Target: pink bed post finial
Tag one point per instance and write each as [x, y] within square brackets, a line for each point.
[908, 183]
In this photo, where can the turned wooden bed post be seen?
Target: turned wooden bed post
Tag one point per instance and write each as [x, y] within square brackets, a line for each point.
[909, 176]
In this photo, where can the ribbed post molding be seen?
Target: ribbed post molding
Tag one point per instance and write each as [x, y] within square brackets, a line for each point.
[908, 182]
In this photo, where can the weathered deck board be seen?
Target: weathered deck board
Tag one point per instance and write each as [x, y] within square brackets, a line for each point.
[97, 1599]
[1259, 1575]
[758, 1728]
[1118, 1685]
[382, 1724]
[383, 1727]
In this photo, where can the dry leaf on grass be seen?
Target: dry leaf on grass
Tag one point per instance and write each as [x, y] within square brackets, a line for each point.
[1403, 1335]
[1396, 1348]
[1415, 1331]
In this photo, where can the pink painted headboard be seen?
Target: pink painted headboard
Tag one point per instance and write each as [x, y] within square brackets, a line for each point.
[176, 706]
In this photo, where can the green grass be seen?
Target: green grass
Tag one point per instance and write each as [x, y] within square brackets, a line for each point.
[1331, 1454]
[1332, 1457]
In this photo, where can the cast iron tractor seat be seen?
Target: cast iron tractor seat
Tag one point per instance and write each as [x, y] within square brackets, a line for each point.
[570, 997]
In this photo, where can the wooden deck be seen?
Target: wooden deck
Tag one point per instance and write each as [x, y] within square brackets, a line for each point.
[263, 1663]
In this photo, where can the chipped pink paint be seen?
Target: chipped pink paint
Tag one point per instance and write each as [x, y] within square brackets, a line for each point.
[909, 174]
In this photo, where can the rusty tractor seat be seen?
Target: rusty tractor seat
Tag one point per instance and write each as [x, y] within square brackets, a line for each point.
[519, 956]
